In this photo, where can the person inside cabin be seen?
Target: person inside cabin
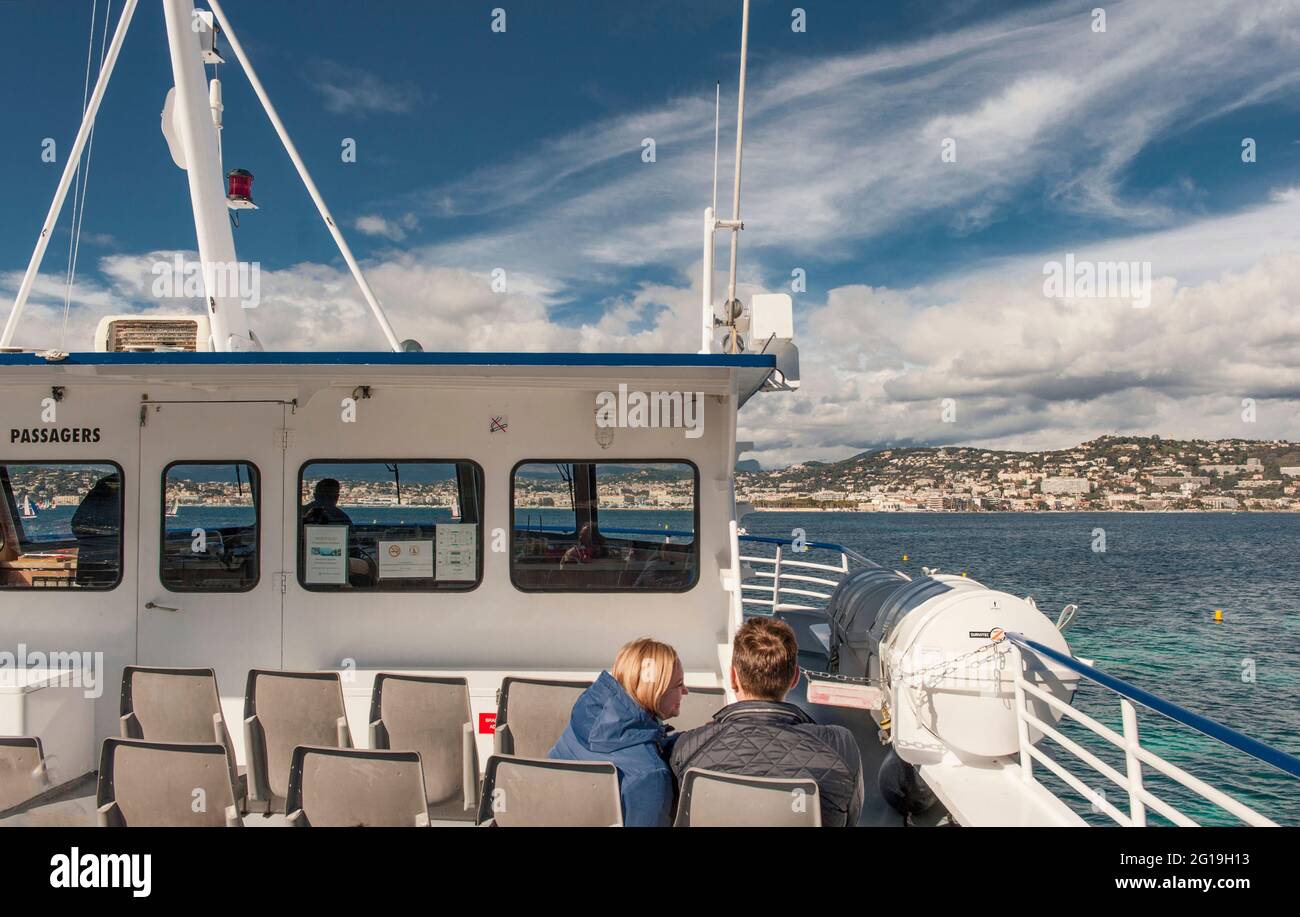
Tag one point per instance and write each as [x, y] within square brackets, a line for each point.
[95, 525]
[324, 510]
[324, 507]
[761, 735]
[591, 545]
[620, 719]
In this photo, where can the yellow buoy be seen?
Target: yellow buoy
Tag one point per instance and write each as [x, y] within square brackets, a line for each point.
[904, 557]
[1218, 615]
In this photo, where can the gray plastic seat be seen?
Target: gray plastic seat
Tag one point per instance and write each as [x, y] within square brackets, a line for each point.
[711, 799]
[22, 770]
[431, 715]
[541, 793]
[532, 714]
[161, 784]
[174, 705]
[698, 708]
[283, 710]
[356, 788]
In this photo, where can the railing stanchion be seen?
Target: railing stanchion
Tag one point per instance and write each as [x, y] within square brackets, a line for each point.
[776, 581]
[1137, 810]
[1022, 727]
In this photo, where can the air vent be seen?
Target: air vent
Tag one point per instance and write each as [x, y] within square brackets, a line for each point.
[150, 334]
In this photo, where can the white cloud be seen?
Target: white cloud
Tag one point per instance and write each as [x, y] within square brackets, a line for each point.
[353, 91]
[847, 149]
[1028, 371]
[394, 230]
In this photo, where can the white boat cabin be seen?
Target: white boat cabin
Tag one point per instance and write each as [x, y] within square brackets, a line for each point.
[478, 516]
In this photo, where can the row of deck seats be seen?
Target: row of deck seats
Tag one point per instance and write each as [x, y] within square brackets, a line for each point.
[175, 764]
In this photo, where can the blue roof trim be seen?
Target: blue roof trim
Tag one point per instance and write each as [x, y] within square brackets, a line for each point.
[384, 358]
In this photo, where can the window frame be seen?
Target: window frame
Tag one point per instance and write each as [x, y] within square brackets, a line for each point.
[162, 525]
[453, 586]
[121, 539]
[695, 544]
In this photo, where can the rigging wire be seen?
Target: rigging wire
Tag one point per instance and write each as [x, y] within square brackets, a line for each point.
[83, 183]
[76, 188]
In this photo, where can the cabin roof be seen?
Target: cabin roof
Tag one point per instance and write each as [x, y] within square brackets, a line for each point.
[386, 358]
[710, 373]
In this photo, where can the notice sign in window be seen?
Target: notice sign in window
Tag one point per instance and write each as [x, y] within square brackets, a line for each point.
[326, 554]
[405, 559]
[457, 551]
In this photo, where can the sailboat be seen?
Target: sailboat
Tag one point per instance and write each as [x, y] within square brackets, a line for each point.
[29, 511]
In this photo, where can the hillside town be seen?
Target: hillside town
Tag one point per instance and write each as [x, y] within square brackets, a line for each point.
[1111, 473]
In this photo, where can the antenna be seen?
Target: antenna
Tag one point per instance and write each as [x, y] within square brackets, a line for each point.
[712, 224]
[717, 125]
[733, 306]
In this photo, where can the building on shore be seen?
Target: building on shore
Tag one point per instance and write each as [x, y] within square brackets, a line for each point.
[1066, 485]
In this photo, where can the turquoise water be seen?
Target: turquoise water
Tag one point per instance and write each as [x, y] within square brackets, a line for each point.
[1146, 615]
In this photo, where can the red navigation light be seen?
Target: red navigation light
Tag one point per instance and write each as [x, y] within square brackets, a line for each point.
[239, 187]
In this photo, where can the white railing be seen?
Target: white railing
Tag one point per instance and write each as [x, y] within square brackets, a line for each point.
[1140, 798]
[787, 574]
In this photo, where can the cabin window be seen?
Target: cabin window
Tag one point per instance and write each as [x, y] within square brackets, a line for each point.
[61, 524]
[605, 526]
[390, 526]
[210, 530]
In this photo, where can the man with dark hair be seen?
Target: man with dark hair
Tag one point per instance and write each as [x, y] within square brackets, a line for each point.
[324, 507]
[763, 736]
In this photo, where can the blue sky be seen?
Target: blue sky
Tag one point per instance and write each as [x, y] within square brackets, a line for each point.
[522, 151]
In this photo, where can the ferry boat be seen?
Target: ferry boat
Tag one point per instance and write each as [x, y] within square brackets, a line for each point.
[140, 642]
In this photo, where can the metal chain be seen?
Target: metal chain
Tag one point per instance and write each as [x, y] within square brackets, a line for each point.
[835, 676]
[942, 667]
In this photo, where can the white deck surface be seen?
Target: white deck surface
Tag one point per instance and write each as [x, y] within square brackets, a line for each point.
[996, 796]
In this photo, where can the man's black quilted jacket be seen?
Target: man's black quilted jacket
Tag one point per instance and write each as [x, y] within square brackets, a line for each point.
[775, 739]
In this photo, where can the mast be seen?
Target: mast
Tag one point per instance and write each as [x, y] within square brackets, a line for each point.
[198, 138]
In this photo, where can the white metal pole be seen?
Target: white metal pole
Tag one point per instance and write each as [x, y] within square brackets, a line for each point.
[1133, 765]
[292, 150]
[706, 283]
[1022, 727]
[198, 137]
[70, 167]
[740, 139]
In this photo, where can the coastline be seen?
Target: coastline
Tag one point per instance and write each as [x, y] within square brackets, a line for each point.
[1028, 512]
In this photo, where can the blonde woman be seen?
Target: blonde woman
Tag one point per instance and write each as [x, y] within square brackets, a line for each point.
[619, 719]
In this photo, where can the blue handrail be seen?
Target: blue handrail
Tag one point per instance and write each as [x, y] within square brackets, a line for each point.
[568, 530]
[1228, 736]
[763, 539]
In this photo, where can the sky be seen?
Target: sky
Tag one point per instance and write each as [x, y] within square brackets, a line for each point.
[924, 167]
